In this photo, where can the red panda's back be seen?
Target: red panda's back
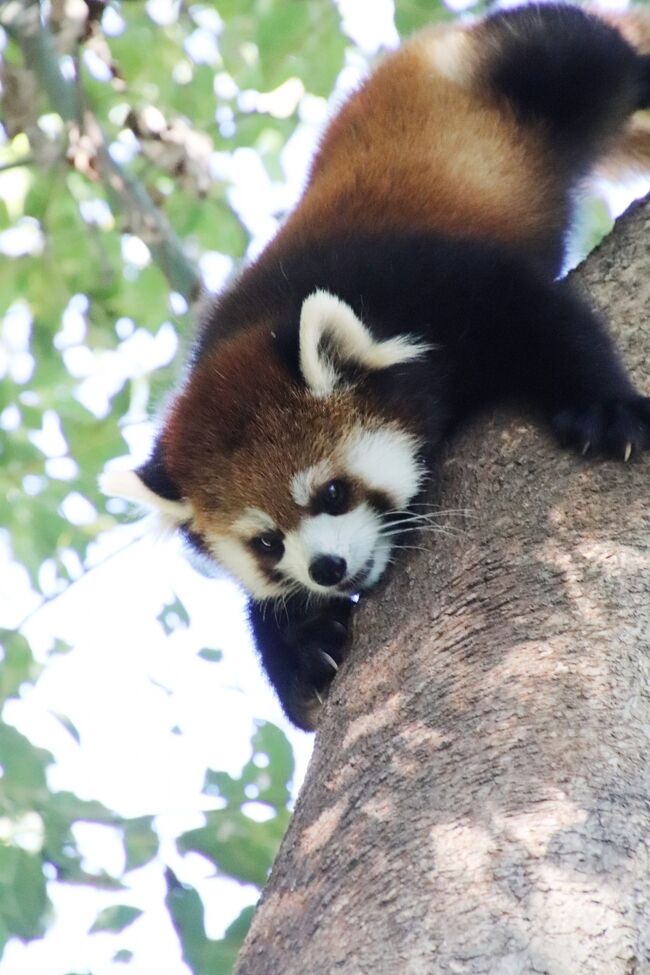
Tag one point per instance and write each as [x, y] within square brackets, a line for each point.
[423, 146]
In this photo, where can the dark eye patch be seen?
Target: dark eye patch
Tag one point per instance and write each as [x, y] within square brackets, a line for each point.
[195, 541]
[382, 504]
[269, 545]
[332, 498]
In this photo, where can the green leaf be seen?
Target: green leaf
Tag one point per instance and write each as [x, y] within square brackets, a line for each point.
[68, 725]
[173, 616]
[186, 912]
[271, 778]
[236, 845]
[71, 808]
[140, 842]
[23, 781]
[202, 955]
[116, 918]
[411, 15]
[22, 893]
[59, 647]
[18, 666]
[123, 955]
[269, 740]
[214, 656]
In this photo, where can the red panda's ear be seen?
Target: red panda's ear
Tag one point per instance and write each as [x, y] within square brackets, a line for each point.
[151, 487]
[347, 341]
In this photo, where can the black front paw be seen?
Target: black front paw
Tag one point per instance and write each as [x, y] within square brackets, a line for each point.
[320, 650]
[617, 427]
[301, 647]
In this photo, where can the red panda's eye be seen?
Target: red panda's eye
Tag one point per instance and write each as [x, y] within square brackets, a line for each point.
[269, 543]
[333, 498]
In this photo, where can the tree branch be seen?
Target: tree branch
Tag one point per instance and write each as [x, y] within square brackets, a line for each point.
[22, 20]
[478, 801]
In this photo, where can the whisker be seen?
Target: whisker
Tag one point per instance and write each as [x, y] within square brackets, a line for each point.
[436, 529]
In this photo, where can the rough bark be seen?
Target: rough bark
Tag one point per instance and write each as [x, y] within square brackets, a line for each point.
[479, 796]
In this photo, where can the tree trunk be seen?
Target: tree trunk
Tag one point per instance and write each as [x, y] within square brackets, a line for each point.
[479, 796]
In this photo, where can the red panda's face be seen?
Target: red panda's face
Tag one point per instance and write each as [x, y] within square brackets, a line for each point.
[292, 485]
[298, 511]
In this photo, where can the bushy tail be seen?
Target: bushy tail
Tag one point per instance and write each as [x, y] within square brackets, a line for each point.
[631, 154]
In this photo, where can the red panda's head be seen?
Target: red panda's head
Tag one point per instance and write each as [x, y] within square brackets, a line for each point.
[288, 481]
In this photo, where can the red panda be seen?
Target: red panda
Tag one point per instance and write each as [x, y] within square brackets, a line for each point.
[414, 284]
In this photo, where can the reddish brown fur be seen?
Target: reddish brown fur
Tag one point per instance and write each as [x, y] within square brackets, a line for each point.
[398, 156]
[228, 452]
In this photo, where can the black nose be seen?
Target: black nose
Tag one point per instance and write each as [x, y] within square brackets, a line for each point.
[327, 570]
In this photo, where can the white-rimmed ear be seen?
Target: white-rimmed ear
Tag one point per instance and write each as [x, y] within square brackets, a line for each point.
[128, 484]
[332, 335]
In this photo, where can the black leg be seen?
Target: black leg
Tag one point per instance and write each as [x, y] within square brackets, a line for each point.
[539, 344]
[301, 648]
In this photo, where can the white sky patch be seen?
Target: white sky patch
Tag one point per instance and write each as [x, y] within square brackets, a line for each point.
[67, 67]
[135, 251]
[163, 12]
[207, 18]
[15, 333]
[369, 32]
[118, 113]
[61, 468]
[113, 23]
[252, 175]
[279, 103]
[26, 831]
[73, 323]
[125, 148]
[33, 484]
[620, 195]
[97, 213]
[224, 86]
[177, 303]
[124, 327]
[96, 65]
[146, 352]
[49, 439]
[201, 46]
[183, 72]
[78, 510]
[51, 125]
[21, 367]
[460, 5]
[103, 373]
[101, 847]
[215, 269]
[24, 238]
[10, 418]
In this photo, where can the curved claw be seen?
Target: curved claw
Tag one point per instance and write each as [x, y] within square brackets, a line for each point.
[628, 452]
[331, 661]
